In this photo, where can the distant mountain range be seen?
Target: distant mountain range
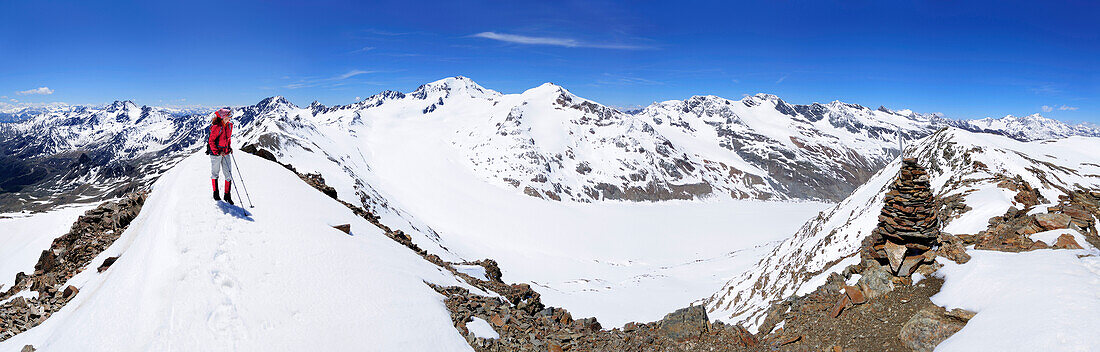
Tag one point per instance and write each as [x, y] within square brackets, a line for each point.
[545, 142]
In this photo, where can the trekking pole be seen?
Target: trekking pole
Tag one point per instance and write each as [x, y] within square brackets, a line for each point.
[241, 177]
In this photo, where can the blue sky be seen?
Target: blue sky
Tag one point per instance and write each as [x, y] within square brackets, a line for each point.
[966, 60]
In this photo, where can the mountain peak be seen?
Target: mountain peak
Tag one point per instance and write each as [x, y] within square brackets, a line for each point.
[276, 101]
[121, 104]
[453, 84]
[547, 89]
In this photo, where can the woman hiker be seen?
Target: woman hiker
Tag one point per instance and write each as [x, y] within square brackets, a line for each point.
[217, 146]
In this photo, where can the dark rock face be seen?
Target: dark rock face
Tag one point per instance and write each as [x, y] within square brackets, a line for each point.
[908, 226]
[254, 149]
[684, 323]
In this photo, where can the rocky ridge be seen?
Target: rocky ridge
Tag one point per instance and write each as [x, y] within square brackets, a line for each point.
[68, 255]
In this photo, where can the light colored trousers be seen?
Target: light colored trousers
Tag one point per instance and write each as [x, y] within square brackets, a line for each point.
[222, 162]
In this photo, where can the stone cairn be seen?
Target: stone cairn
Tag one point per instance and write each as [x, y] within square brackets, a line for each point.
[907, 227]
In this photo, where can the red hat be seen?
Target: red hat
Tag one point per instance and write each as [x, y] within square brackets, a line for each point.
[223, 113]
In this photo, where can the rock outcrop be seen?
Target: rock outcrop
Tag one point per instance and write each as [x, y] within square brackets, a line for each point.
[68, 255]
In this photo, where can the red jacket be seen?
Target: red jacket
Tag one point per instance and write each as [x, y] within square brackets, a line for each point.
[219, 138]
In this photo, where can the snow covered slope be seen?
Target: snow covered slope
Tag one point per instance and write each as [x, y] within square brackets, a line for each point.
[960, 163]
[26, 235]
[198, 275]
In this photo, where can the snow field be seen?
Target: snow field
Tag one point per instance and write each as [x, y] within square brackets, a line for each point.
[1042, 300]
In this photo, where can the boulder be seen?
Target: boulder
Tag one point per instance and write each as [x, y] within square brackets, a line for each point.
[1066, 241]
[895, 253]
[839, 306]
[789, 340]
[47, 261]
[1050, 221]
[684, 323]
[106, 264]
[19, 277]
[773, 316]
[27, 348]
[1038, 245]
[345, 228]
[69, 292]
[909, 264]
[588, 324]
[744, 337]
[953, 251]
[930, 326]
[875, 282]
[854, 294]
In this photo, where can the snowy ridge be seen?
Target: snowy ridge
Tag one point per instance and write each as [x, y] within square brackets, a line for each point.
[194, 274]
[959, 163]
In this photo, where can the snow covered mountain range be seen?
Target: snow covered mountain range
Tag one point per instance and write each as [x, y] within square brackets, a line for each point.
[621, 216]
[67, 154]
[544, 142]
[1032, 127]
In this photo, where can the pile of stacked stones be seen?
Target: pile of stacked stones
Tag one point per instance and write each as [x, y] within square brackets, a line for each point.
[908, 226]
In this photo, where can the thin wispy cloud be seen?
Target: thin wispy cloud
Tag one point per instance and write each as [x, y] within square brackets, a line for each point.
[363, 49]
[781, 79]
[1046, 89]
[351, 74]
[329, 82]
[1048, 108]
[614, 79]
[554, 41]
[36, 91]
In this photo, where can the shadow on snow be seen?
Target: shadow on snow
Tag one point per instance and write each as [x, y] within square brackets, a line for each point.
[235, 211]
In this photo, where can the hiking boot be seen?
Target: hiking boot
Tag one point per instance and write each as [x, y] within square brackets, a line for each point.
[228, 199]
[216, 197]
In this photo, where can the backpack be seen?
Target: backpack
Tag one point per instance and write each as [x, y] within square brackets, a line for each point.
[208, 151]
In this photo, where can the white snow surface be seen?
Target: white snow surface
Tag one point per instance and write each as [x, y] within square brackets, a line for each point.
[1042, 300]
[196, 275]
[481, 328]
[25, 236]
[476, 271]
